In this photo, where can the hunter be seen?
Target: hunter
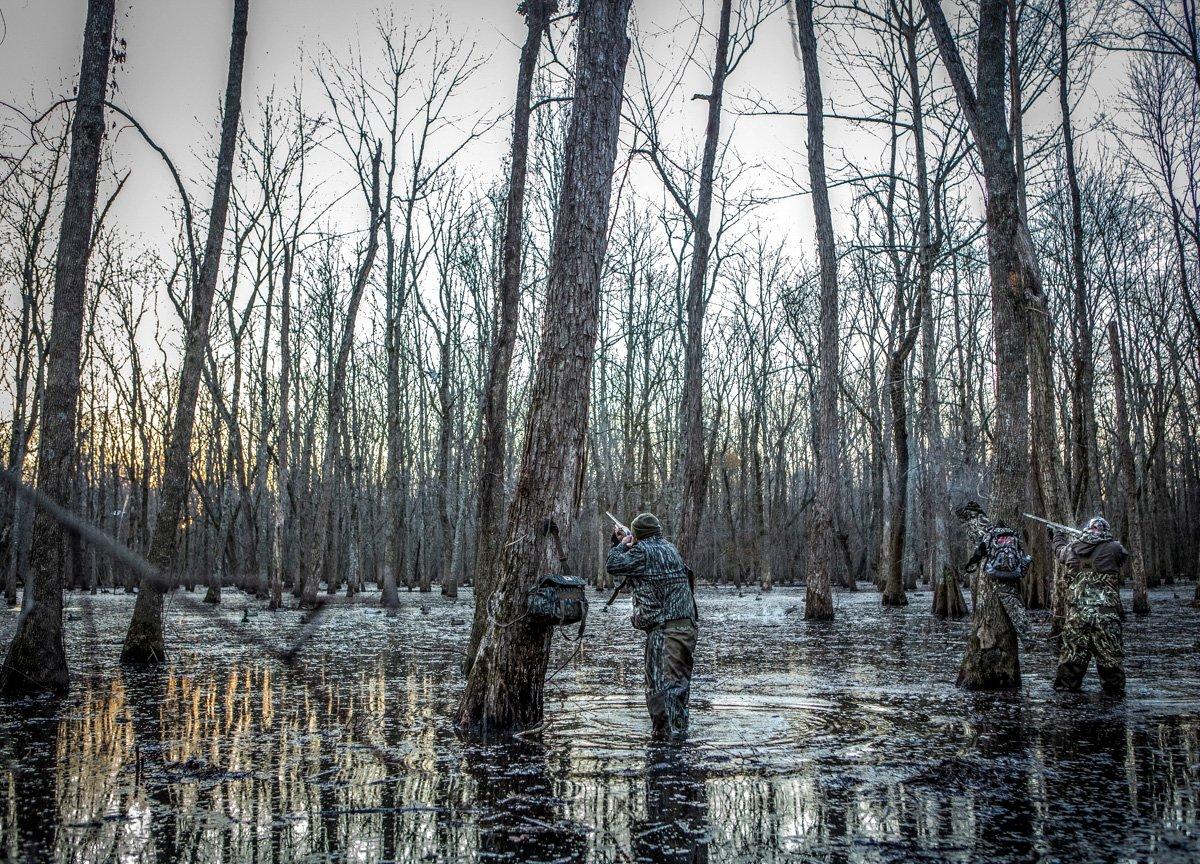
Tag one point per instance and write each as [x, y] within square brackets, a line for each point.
[664, 606]
[1094, 614]
[1000, 554]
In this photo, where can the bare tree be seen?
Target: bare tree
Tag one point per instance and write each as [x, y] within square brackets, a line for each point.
[144, 641]
[493, 445]
[504, 688]
[732, 43]
[1084, 494]
[1129, 486]
[323, 563]
[36, 660]
[991, 661]
[825, 519]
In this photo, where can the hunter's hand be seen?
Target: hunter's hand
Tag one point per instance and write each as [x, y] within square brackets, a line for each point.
[618, 535]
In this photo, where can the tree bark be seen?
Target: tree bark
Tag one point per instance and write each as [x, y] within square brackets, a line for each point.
[283, 535]
[824, 519]
[934, 480]
[493, 446]
[504, 689]
[37, 660]
[1084, 494]
[144, 640]
[1046, 480]
[893, 583]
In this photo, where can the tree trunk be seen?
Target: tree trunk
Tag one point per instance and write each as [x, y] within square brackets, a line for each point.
[934, 479]
[446, 400]
[1047, 488]
[893, 583]
[1129, 488]
[504, 689]
[948, 600]
[693, 463]
[493, 448]
[1016, 107]
[144, 640]
[824, 518]
[37, 660]
[991, 660]
[283, 534]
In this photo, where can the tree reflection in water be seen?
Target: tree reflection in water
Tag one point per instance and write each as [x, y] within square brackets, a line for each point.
[675, 827]
[833, 746]
[31, 752]
[521, 818]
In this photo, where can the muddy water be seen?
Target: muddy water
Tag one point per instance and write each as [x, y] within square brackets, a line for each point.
[840, 742]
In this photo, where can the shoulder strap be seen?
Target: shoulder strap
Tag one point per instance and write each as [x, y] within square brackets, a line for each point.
[550, 528]
[616, 592]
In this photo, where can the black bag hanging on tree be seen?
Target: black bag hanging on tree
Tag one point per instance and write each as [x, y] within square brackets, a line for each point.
[558, 599]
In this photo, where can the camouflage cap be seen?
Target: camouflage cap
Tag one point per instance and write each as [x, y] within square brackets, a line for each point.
[645, 525]
[1098, 528]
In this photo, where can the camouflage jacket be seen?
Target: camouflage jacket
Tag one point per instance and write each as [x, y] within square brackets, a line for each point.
[1093, 568]
[659, 581]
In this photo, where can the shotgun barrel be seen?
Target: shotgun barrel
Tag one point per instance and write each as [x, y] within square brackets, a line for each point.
[1066, 529]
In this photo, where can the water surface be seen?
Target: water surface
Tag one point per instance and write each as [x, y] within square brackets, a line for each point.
[810, 742]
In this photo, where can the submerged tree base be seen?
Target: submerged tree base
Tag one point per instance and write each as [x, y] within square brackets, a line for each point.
[36, 664]
[991, 661]
[818, 605]
[504, 695]
[143, 649]
[144, 642]
[948, 600]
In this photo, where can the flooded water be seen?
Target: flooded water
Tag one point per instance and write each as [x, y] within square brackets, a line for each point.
[839, 742]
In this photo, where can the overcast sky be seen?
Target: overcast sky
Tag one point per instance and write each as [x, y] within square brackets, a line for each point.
[178, 51]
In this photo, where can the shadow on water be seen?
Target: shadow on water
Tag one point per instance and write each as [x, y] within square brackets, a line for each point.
[846, 743]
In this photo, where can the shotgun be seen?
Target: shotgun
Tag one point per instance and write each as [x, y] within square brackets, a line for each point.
[1065, 529]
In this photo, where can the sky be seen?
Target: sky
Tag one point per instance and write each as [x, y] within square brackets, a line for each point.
[178, 51]
[174, 76]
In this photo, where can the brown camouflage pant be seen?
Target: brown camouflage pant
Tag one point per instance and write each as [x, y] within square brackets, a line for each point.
[669, 651]
[1085, 636]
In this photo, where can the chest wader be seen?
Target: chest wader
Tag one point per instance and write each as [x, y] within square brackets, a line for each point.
[1092, 628]
[670, 651]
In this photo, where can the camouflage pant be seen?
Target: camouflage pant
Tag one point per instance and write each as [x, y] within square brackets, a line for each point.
[1014, 607]
[669, 650]
[1086, 635]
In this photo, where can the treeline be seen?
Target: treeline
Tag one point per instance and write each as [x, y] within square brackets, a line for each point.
[390, 479]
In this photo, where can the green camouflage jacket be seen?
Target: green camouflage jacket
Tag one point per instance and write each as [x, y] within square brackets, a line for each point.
[659, 580]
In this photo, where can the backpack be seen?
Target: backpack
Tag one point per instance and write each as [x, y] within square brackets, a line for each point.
[1006, 561]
